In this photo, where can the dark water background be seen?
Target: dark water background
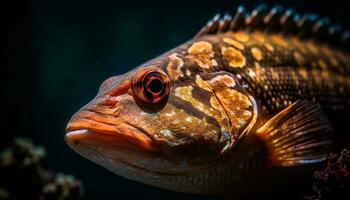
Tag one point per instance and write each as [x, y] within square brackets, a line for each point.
[56, 53]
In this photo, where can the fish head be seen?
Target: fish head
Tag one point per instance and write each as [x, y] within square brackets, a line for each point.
[163, 118]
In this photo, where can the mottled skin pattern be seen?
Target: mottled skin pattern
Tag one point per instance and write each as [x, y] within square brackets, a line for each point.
[282, 70]
[223, 88]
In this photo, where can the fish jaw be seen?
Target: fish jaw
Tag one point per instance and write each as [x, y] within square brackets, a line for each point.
[88, 132]
[111, 143]
[125, 153]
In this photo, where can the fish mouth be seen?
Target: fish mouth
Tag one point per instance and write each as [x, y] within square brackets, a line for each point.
[87, 128]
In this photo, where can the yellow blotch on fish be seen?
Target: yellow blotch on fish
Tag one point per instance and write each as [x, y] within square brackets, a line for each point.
[202, 84]
[233, 42]
[229, 97]
[299, 58]
[279, 41]
[259, 38]
[257, 54]
[322, 64]
[185, 93]
[188, 72]
[257, 65]
[241, 36]
[223, 80]
[325, 50]
[298, 45]
[218, 81]
[312, 48]
[214, 103]
[237, 114]
[214, 110]
[214, 63]
[223, 87]
[251, 73]
[174, 66]
[303, 73]
[332, 59]
[234, 57]
[325, 74]
[202, 53]
[269, 47]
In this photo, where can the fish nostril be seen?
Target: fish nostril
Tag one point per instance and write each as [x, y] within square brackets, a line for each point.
[110, 102]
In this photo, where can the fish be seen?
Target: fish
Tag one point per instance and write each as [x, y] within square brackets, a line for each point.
[250, 92]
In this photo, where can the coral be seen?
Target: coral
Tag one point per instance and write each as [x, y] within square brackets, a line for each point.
[334, 180]
[23, 177]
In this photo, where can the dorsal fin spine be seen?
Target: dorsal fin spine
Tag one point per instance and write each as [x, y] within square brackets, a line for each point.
[278, 20]
[225, 22]
[238, 19]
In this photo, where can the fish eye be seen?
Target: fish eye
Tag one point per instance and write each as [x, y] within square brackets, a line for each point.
[154, 84]
[150, 88]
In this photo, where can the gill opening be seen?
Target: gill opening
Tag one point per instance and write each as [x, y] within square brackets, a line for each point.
[229, 138]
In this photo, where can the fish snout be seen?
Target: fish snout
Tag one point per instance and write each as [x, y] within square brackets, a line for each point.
[88, 128]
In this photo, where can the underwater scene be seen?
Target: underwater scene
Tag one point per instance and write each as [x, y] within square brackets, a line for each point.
[175, 100]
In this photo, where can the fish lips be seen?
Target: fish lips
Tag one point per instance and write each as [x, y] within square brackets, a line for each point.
[86, 132]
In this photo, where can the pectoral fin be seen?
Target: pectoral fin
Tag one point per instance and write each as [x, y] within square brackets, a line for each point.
[299, 134]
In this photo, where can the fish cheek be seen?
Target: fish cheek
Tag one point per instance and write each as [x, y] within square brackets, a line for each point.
[175, 129]
[182, 129]
[182, 134]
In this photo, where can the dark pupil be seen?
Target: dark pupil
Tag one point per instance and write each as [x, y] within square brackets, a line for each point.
[155, 85]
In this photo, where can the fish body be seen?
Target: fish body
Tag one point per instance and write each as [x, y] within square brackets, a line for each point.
[212, 114]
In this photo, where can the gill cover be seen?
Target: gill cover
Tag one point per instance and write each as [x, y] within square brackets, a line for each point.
[236, 104]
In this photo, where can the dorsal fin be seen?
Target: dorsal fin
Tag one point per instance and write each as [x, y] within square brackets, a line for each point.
[279, 20]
